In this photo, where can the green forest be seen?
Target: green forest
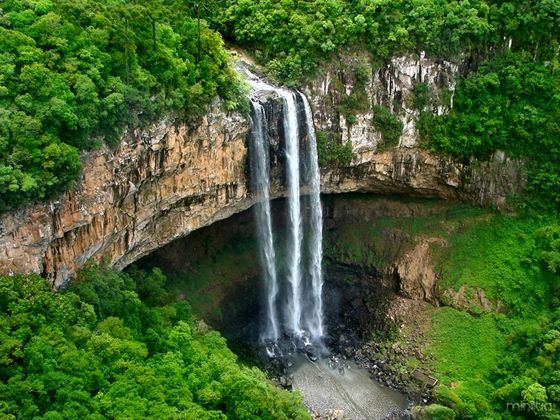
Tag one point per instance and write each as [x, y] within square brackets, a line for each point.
[73, 75]
[117, 345]
[76, 75]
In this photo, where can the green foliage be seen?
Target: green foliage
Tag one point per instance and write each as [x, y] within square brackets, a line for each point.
[529, 372]
[512, 103]
[483, 359]
[332, 152]
[500, 255]
[549, 240]
[357, 100]
[292, 37]
[73, 73]
[421, 97]
[488, 361]
[98, 351]
[433, 412]
[389, 125]
[466, 349]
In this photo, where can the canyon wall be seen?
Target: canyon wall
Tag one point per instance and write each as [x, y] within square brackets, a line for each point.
[347, 94]
[160, 183]
[170, 179]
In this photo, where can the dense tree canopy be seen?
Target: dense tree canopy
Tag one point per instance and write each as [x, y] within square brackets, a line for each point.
[292, 36]
[512, 103]
[74, 73]
[112, 348]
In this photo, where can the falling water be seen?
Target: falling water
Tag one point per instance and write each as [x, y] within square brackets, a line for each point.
[296, 321]
[291, 134]
[315, 323]
[260, 177]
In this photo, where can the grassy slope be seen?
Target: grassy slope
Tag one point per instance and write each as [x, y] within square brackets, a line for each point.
[497, 254]
[492, 252]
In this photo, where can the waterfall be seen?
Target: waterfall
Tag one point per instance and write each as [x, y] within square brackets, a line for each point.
[261, 183]
[315, 323]
[294, 304]
[291, 134]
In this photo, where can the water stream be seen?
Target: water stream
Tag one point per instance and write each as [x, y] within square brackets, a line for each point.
[314, 324]
[261, 184]
[294, 328]
[298, 314]
[291, 137]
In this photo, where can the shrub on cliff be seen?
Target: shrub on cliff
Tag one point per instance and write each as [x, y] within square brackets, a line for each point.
[332, 152]
[511, 103]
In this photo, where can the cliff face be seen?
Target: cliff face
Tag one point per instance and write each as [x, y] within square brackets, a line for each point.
[164, 182]
[346, 96]
[159, 184]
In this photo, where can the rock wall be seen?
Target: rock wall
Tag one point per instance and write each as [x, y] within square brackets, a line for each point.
[405, 169]
[412, 171]
[391, 85]
[159, 184]
[163, 182]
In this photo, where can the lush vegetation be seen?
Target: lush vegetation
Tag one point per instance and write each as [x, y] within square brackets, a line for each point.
[512, 103]
[486, 355]
[119, 346]
[331, 151]
[389, 125]
[72, 74]
[487, 359]
[292, 37]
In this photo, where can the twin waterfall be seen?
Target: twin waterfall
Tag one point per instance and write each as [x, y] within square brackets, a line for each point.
[291, 261]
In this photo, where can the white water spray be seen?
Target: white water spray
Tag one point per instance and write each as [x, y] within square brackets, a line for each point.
[297, 322]
[291, 134]
[315, 322]
[260, 175]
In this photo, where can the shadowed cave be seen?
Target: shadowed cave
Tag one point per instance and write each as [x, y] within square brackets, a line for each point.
[217, 270]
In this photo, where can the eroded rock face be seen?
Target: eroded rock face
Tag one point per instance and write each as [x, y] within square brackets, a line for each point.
[405, 169]
[419, 173]
[164, 182]
[392, 85]
[415, 271]
[160, 184]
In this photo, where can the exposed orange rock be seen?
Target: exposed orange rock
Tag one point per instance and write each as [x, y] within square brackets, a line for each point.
[164, 182]
[415, 271]
[159, 184]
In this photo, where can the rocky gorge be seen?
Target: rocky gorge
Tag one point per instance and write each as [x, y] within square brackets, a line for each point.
[167, 180]
[382, 264]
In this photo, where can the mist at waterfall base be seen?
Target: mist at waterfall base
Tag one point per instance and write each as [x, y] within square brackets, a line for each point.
[293, 290]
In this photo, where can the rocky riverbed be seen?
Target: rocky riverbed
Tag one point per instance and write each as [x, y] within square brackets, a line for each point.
[338, 388]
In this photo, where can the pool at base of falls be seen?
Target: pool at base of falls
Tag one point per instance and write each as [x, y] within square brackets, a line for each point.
[341, 386]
